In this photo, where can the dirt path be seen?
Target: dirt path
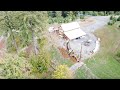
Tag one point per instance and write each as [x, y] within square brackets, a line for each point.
[74, 67]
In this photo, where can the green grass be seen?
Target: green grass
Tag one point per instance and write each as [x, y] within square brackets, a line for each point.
[103, 64]
[80, 74]
[57, 57]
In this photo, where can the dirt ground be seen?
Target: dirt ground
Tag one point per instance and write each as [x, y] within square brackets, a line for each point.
[86, 22]
[65, 54]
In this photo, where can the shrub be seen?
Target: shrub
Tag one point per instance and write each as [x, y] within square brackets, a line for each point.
[62, 72]
[42, 42]
[94, 13]
[114, 19]
[101, 13]
[118, 26]
[15, 67]
[110, 23]
[81, 16]
[23, 54]
[40, 63]
[118, 54]
[111, 17]
[118, 19]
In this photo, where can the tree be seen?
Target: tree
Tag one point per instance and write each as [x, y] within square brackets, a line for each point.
[111, 12]
[23, 27]
[90, 12]
[65, 13]
[31, 27]
[110, 22]
[58, 13]
[40, 63]
[15, 67]
[118, 19]
[119, 26]
[81, 16]
[101, 13]
[62, 72]
[11, 27]
[59, 16]
[72, 16]
[105, 13]
[75, 13]
[111, 17]
[35, 23]
[114, 19]
[95, 13]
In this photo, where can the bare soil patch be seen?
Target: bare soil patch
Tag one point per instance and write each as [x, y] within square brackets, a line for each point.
[66, 55]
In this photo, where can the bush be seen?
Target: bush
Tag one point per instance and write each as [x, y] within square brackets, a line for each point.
[67, 19]
[111, 17]
[81, 16]
[60, 19]
[62, 72]
[114, 19]
[15, 67]
[40, 63]
[118, 54]
[119, 26]
[94, 13]
[23, 54]
[110, 22]
[42, 42]
[118, 19]
[101, 13]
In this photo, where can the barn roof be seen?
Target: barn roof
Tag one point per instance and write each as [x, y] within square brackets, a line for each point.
[70, 26]
[72, 30]
[74, 33]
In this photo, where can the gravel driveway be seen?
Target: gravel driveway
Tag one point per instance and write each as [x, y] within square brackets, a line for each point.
[99, 22]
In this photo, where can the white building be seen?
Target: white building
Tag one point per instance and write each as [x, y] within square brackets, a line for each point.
[72, 30]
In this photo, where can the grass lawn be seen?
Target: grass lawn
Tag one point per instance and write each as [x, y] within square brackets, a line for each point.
[80, 74]
[103, 64]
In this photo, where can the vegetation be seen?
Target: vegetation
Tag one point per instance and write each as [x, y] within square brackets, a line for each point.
[113, 19]
[118, 19]
[23, 29]
[14, 67]
[110, 23]
[40, 63]
[58, 59]
[104, 63]
[62, 72]
[68, 16]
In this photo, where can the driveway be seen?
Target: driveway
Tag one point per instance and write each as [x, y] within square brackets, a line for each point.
[100, 21]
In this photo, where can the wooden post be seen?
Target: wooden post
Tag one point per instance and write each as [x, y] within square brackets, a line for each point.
[80, 52]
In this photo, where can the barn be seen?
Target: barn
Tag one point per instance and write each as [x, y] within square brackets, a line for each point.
[72, 30]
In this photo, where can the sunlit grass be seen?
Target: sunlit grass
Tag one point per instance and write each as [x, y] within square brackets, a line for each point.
[103, 64]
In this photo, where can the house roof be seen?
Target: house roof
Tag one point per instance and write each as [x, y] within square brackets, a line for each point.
[70, 26]
[72, 30]
[72, 34]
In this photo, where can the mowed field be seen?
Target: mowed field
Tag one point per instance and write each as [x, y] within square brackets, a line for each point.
[103, 64]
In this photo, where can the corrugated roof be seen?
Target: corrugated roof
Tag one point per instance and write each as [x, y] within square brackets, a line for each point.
[70, 26]
[72, 30]
[72, 34]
